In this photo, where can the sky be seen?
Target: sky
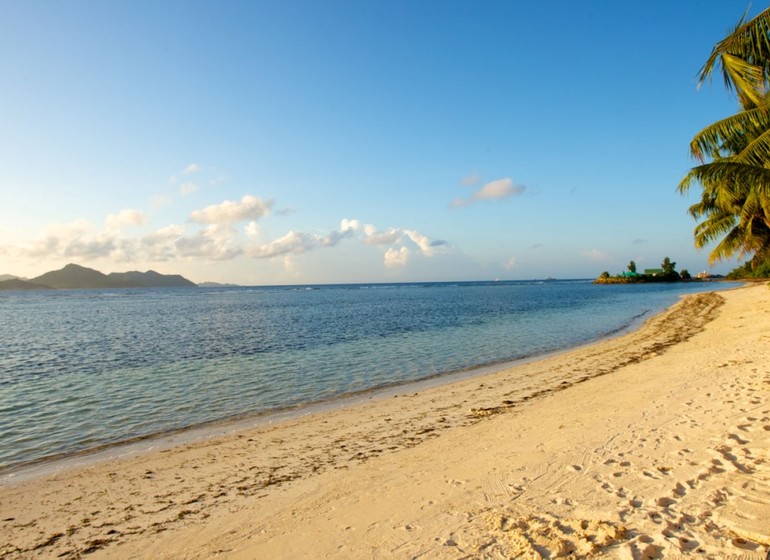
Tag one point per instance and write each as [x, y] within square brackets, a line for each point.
[297, 141]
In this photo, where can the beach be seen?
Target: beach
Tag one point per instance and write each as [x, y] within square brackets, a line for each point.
[652, 444]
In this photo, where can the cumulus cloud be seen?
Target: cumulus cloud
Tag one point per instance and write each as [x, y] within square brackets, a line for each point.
[292, 243]
[124, 218]
[512, 263]
[80, 240]
[160, 245]
[92, 248]
[229, 212]
[494, 190]
[388, 237]
[396, 257]
[502, 188]
[57, 237]
[214, 242]
[252, 229]
[215, 233]
[371, 236]
[349, 225]
[424, 243]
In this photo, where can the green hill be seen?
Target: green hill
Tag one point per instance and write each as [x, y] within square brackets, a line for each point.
[74, 276]
[152, 279]
[18, 284]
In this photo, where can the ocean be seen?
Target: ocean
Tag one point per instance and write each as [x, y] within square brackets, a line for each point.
[83, 369]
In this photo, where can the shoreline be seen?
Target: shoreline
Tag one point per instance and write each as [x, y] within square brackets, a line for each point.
[459, 467]
[65, 461]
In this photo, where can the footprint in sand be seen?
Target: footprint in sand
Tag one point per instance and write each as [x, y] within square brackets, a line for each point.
[665, 502]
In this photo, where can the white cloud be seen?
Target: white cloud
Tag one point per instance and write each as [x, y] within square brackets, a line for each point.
[346, 225]
[56, 238]
[494, 190]
[373, 237]
[396, 257]
[426, 245]
[126, 217]
[335, 237]
[292, 243]
[392, 236]
[512, 263]
[161, 244]
[502, 188]
[229, 213]
[252, 229]
[80, 240]
[214, 242]
[219, 232]
[97, 247]
[187, 188]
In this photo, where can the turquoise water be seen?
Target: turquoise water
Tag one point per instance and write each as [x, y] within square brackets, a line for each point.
[86, 368]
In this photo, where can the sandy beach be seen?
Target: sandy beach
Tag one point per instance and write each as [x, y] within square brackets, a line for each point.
[654, 444]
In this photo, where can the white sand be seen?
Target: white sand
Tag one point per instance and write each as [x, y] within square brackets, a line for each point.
[654, 444]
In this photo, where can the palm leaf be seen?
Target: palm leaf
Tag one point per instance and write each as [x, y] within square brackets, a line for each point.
[748, 43]
[712, 140]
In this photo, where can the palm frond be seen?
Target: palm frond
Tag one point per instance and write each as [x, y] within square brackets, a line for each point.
[757, 152]
[747, 79]
[729, 173]
[750, 42]
[726, 135]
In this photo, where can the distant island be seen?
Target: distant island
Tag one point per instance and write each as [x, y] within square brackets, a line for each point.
[666, 273]
[76, 277]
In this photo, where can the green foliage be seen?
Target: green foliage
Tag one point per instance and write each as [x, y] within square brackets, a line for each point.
[685, 274]
[750, 270]
[668, 266]
[734, 210]
[632, 277]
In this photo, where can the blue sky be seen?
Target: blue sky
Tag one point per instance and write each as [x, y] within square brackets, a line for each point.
[352, 141]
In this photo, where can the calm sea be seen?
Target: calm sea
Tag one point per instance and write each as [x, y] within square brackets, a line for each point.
[86, 368]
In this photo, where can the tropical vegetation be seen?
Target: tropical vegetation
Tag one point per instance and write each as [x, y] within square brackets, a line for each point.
[666, 273]
[734, 153]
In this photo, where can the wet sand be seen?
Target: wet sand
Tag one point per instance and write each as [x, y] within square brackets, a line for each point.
[652, 444]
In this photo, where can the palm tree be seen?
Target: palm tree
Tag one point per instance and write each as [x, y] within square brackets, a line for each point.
[744, 57]
[735, 203]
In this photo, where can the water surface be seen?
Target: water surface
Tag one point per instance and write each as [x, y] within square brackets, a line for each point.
[86, 368]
